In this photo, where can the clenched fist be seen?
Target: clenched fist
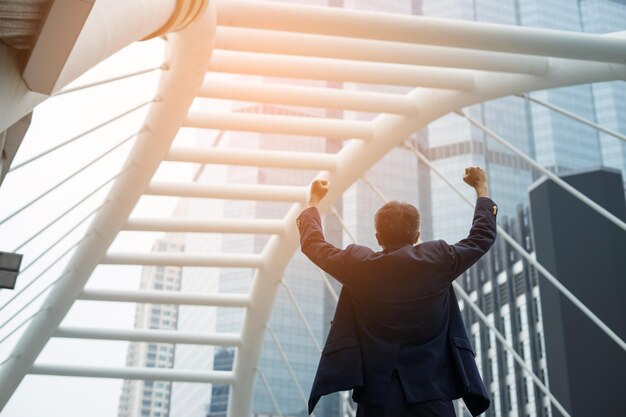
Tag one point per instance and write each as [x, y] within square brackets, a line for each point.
[319, 189]
[476, 177]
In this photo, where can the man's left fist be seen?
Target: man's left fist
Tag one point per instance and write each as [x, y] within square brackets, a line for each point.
[319, 189]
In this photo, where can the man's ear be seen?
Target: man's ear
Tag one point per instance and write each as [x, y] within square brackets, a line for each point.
[417, 236]
[379, 242]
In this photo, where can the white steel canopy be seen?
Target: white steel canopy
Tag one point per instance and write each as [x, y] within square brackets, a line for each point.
[450, 65]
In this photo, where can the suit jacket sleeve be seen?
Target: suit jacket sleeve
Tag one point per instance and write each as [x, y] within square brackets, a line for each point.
[315, 247]
[481, 237]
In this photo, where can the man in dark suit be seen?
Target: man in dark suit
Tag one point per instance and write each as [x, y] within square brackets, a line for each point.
[397, 338]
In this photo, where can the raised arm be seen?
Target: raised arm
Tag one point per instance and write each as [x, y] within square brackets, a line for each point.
[312, 241]
[482, 234]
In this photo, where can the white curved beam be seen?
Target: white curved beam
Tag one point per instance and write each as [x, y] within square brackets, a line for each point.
[146, 374]
[288, 125]
[355, 159]
[295, 95]
[246, 157]
[222, 260]
[344, 70]
[188, 54]
[167, 297]
[358, 49]
[151, 335]
[419, 29]
[288, 193]
[191, 225]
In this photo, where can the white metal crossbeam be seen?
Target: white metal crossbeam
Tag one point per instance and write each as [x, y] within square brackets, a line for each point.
[419, 29]
[359, 49]
[150, 335]
[329, 98]
[199, 225]
[259, 158]
[274, 65]
[230, 192]
[167, 297]
[147, 374]
[287, 125]
[223, 260]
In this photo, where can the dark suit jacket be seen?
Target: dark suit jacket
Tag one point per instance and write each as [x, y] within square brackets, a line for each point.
[397, 310]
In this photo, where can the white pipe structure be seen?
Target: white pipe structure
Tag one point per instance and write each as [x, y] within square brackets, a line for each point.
[188, 54]
[418, 29]
[468, 63]
[286, 125]
[340, 70]
[230, 192]
[190, 225]
[148, 374]
[167, 297]
[272, 159]
[275, 42]
[224, 260]
[151, 335]
[308, 96]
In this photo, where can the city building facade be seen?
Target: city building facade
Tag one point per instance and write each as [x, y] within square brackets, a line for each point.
[152, 398]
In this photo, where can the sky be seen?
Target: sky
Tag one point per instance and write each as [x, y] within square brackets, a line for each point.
[54, 121]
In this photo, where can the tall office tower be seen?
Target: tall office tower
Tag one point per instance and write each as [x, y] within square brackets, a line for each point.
[152, 398]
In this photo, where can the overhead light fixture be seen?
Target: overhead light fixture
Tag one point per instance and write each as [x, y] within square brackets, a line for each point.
[9, 269]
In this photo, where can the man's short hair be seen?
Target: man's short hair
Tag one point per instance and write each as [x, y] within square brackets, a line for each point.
[397, 223]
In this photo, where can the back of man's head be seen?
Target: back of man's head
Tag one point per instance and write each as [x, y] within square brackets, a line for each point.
[397, 224]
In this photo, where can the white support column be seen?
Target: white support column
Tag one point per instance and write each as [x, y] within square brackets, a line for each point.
[313, 45]
[419, 29]
[270, 65]
[190, 225]
[151, 335]
[188, 53]
[230, 192]
[146, 374]
[287, 125]
[261, 158]
[222, 260]
[295, 95]
[167, 297]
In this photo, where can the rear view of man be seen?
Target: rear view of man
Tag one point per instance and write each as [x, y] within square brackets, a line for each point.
[397, 338]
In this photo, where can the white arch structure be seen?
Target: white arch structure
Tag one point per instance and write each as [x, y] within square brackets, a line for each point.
[450, 65]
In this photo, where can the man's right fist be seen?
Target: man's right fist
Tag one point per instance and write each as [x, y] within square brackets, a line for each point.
[475, 176]
[319, 189]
